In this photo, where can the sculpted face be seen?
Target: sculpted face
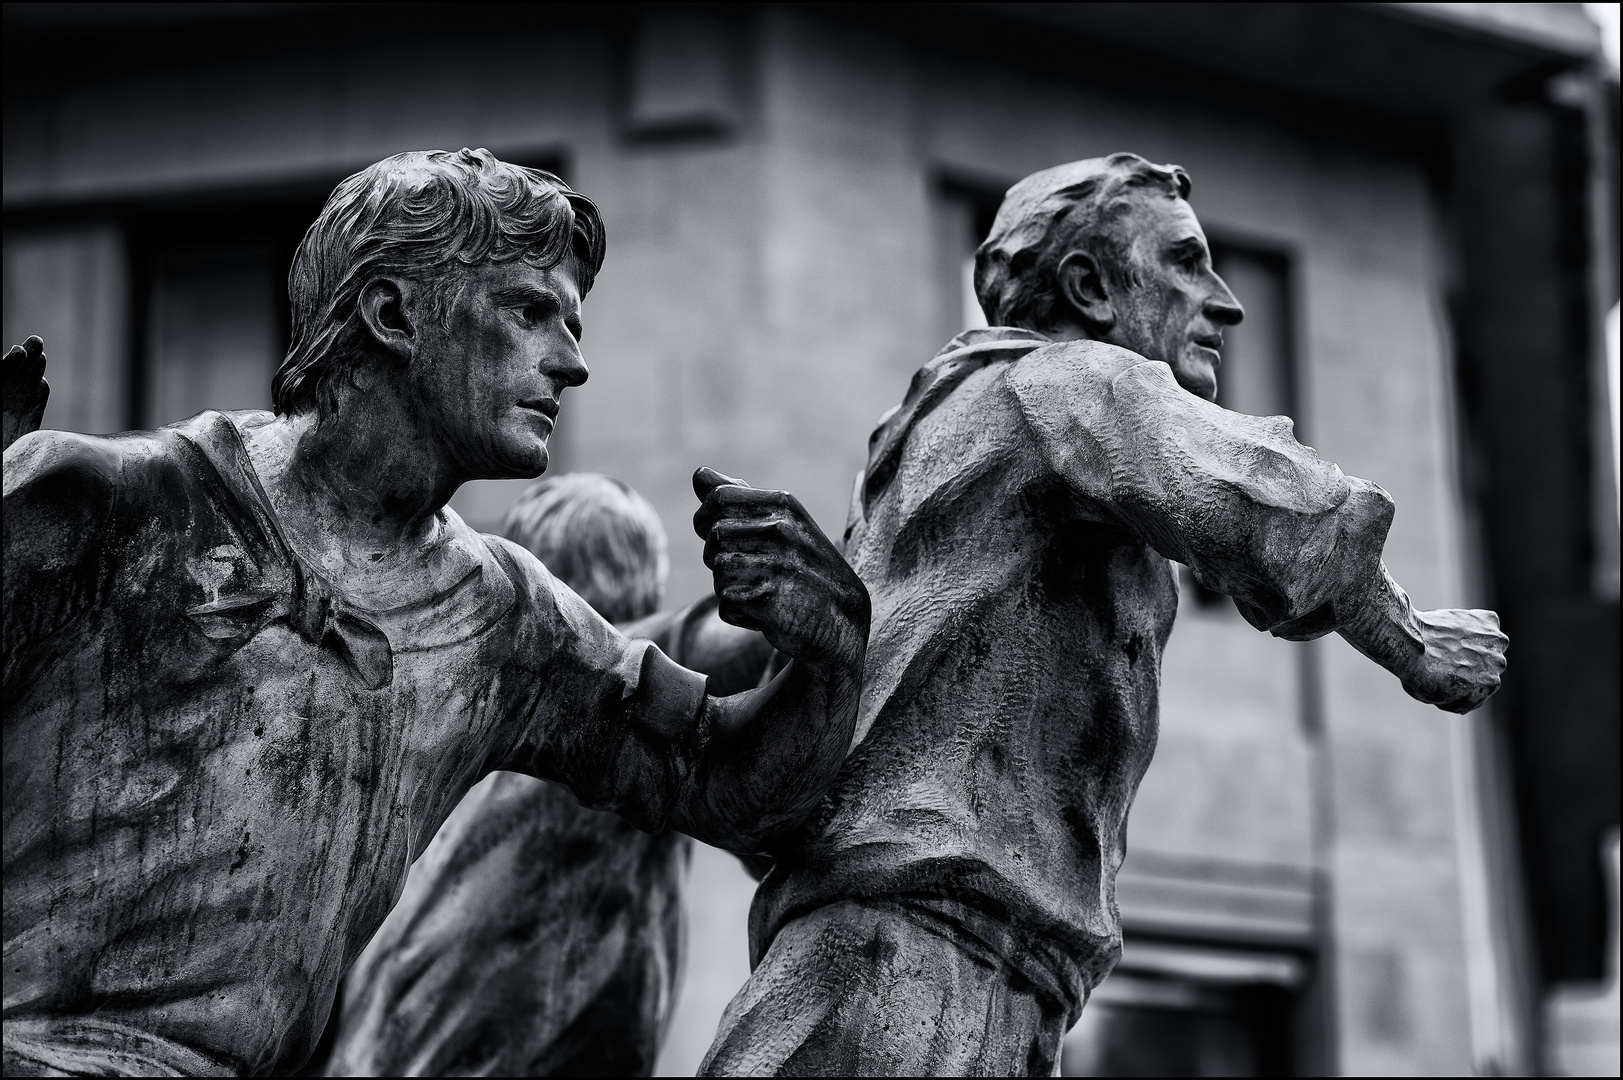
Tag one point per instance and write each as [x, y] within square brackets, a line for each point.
[1178, 307]
[490, 378]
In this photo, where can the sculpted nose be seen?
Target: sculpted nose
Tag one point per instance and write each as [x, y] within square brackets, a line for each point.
[569, 369]
[1221, 306]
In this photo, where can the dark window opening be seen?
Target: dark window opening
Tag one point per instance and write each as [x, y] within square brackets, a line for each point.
[969, 207]
[1173, 1027]
[209, 305]
[1258, 372]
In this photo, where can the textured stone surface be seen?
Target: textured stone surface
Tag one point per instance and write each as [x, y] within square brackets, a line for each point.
[534, 936]
[252, 662]
[1013, 525]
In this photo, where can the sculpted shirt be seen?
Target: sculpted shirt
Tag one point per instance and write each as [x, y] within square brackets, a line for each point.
[1014, 526]
[534, 937]
[217, 770]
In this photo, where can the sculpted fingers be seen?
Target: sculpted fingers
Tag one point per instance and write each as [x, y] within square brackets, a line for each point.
[727, 504]
[732, 502]
[1472, 699]
[1479, 661]
[25, 363]
[760, 536]
[1490, 656]
[1485, 643]
[746, 593]
[776, 572]
[706, 480]
[25, 389]
[1464, 658]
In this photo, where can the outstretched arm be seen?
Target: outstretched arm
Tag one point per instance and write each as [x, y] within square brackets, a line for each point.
[1451, 658]
[1253, 513]
[772, 752]
[629, 730]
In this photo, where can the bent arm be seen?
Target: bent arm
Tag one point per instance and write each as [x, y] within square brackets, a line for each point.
[629, 730]
[735, 660]
[732, 658]
[771, 754]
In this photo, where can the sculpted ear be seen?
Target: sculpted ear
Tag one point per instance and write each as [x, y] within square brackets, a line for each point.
[387, 310]
[1084, 289]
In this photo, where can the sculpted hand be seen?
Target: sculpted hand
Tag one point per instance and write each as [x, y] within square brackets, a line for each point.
[776, 572]
[1450, 658]
[1463, 661]
[25, 389]
[774, 750]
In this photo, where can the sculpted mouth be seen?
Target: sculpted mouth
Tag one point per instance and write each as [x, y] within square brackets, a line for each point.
[545, 406]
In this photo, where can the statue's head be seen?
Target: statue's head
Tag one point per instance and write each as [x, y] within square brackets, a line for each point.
[1109, 249]
[454, 281]
[597, 536]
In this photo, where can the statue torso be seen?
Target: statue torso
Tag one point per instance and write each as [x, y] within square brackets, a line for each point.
[1011, 689]
[230, 808]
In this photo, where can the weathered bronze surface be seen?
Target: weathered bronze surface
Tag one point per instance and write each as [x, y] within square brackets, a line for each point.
[952, 904]
[536, 937]
[252, 662]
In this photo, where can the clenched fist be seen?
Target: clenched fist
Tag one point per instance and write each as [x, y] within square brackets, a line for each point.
[776, 572]
[1451, 658]
[1463, 661]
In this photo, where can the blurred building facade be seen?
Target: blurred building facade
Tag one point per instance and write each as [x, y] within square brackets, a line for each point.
[1415, 202]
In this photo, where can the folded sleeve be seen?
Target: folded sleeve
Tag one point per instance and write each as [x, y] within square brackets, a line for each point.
[613, 719]
[1251, 511]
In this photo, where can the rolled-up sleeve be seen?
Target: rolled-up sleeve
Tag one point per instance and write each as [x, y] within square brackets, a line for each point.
[614, 720]
[1251, 511]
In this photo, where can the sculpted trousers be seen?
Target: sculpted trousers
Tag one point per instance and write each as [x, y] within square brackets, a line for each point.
[884, 989]
[534, 938]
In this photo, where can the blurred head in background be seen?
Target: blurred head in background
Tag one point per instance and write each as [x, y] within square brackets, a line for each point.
[1109, 249]
[597, 536]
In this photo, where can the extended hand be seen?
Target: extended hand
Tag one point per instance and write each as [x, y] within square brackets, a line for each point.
[25, 389]
[1464, 658]
[776, 572]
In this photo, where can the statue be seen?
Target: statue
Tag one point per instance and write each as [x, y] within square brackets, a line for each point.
[535, 937]
[952, 903]
[251, 661]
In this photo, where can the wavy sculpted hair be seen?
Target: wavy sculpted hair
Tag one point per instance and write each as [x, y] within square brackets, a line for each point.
[425, 216]
[1054, 212]
[597, 536]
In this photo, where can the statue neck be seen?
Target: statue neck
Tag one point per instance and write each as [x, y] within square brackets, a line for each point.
[363, 488]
